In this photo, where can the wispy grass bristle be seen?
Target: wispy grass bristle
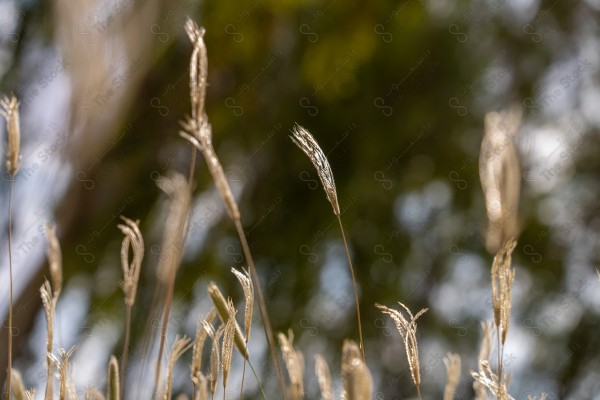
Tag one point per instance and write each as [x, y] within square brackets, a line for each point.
[324, 377]
[294, 362]
[358, 383]
[452, 363]
[408, 330]
[180, 346]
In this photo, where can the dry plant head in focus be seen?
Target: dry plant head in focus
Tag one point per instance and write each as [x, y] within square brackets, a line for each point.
[408, 330]
[294, 362]
[198, 378]
[307, 143]
[18, 388]
[500, 176]
[358, 383]
[246, 283]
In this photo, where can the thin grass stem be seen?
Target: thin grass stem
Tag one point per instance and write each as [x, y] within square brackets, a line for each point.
[362, 347]
[10, 303]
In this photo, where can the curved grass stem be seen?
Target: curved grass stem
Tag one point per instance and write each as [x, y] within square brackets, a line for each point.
[362, 347]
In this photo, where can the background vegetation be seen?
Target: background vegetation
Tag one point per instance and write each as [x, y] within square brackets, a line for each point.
[395, 93]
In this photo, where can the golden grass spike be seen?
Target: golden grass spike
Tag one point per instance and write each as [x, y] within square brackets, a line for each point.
[248, 288]
[358, 383]
[452, 363]
[324, 377]
[198, 69]
[408, 330]
[307, 143]
[228, 338]
[500, 176]
[221, 305]
[180, 346]
[54, 258]
[113, 390]
[294, 362]
[9, 109]
[131, 270]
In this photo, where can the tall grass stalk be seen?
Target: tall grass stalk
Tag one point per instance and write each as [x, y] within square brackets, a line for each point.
[9, 109]
[307, 143]
[198, 131]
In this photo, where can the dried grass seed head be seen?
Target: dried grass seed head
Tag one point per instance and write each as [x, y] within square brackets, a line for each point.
[503, 277]
[408, 330]
[294, 362]
[307, 143]
[180, 346]
[177, 189]
[131, 270]
[9, 109]
[452, 363]
[486, 378]
[324, 377]
[54, 258]
[198, 69]
[221, 305]
[500, 175]
[358, 383]
[248, 288]
[201, 334]
[228, 339]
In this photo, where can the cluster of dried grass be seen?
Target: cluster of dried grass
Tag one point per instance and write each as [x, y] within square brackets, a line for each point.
[499, 178]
